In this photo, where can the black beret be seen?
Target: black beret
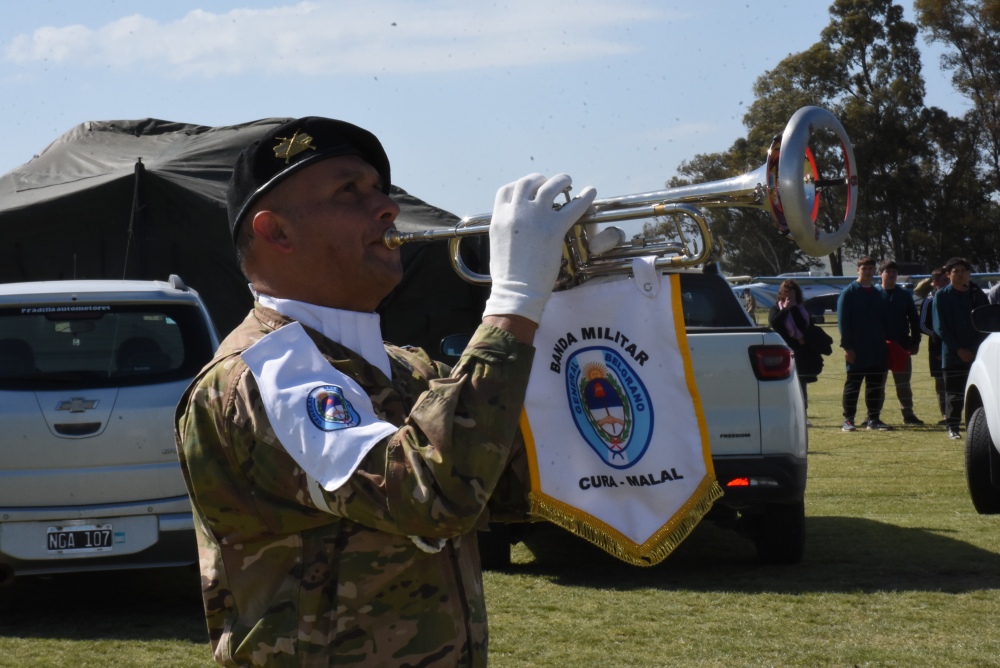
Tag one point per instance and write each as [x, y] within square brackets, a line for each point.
[288, 148]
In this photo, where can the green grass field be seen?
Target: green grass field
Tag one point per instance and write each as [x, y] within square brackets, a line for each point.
[899, 571]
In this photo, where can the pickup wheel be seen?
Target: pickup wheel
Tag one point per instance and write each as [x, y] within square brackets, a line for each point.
[494, 547]
[781, 533]
[980, 460]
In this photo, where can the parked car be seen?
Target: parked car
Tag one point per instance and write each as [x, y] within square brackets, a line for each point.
[982, 415]
[90, 374]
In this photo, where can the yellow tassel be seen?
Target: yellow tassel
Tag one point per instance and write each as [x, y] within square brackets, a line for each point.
[612, 541]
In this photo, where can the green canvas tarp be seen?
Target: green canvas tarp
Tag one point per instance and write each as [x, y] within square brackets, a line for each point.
[143, 199]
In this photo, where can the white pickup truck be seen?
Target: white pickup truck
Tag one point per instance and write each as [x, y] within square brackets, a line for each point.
[755, 414]
[751, 400]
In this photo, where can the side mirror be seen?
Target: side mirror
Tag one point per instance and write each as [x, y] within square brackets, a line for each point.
[987, 318]
[454, 345]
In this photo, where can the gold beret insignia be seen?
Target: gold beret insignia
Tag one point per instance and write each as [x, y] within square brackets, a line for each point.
[289, 147]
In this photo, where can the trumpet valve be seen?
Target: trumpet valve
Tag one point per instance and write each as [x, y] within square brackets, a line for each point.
[605, 240]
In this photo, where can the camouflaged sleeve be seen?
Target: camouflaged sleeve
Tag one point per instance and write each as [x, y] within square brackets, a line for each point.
[510, 501]
[435, 476]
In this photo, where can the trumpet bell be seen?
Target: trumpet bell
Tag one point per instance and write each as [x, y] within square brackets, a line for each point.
[794, 194]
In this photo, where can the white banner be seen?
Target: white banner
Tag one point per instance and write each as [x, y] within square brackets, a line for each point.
[616, 437]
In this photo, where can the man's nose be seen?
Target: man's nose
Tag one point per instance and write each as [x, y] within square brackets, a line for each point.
[386, 208]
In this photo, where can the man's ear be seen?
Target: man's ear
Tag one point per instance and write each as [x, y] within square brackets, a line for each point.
[269, 228]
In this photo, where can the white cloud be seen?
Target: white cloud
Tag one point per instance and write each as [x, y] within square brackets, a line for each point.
[315, 38]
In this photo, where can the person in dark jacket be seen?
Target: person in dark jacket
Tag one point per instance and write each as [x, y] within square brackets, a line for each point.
[903, 327]
[790, 319]
[959, 339]
[938, 279]
[861, 319]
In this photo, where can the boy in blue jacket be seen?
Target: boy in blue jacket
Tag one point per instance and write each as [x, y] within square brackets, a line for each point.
[959, 339]
[903, 327]
[861, 318]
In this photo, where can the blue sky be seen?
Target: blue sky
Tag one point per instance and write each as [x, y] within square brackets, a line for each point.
[465, 96]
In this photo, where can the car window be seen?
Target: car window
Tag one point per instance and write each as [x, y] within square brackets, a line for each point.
[708, 301]
[100, 345]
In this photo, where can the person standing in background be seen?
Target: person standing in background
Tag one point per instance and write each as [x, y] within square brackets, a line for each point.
[861, 320]
[959, 339]
[937, 280]
[902, 327]
[790, 319]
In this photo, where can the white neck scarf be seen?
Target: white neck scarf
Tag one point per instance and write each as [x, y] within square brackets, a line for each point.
[360, 332]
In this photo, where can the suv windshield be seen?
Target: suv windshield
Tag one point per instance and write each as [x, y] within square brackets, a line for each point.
[100, 345]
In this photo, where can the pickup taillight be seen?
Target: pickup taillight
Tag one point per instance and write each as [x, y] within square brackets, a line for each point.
[771, 362]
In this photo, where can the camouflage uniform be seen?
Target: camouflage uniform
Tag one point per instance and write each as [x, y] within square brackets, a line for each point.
[288, 584]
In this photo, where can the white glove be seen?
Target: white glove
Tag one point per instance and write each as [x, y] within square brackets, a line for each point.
[526, 240]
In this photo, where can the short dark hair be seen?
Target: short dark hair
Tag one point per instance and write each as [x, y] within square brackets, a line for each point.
[887, 264]
[955, 261]
[865, 260]
[937, 273]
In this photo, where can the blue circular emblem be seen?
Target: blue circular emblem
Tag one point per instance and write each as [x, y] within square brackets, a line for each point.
[610, 405]
[330, 410]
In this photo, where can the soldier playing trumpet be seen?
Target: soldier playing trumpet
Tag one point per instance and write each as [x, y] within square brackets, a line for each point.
[347, 535]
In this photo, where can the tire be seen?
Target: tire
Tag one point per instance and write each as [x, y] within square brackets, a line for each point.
[494, 547]
[781, 533]
[980, 460]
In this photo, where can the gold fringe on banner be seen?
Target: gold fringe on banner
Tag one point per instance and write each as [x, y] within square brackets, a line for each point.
[612, 541]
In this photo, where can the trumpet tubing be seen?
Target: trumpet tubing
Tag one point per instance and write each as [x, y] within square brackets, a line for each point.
[788, 185]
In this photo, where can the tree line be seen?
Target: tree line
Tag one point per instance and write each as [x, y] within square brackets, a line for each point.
[929, 182]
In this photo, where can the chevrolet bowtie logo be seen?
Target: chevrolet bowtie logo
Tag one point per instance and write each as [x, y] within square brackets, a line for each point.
[76, 405]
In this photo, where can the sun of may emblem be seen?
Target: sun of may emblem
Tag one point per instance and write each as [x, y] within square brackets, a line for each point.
[607, 411]
[610, 405]
[289, 147]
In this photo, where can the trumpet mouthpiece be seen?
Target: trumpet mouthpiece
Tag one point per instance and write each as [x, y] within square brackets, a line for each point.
[392, 239]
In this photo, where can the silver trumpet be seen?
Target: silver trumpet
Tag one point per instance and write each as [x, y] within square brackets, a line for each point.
[788, 185]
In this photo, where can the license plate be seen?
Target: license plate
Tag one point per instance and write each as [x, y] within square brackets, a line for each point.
[79, 538]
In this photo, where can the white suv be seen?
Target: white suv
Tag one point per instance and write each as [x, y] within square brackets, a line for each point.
[90, 374]
[982, 415]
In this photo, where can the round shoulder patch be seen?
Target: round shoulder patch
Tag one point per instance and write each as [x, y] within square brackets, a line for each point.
[329, 410]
